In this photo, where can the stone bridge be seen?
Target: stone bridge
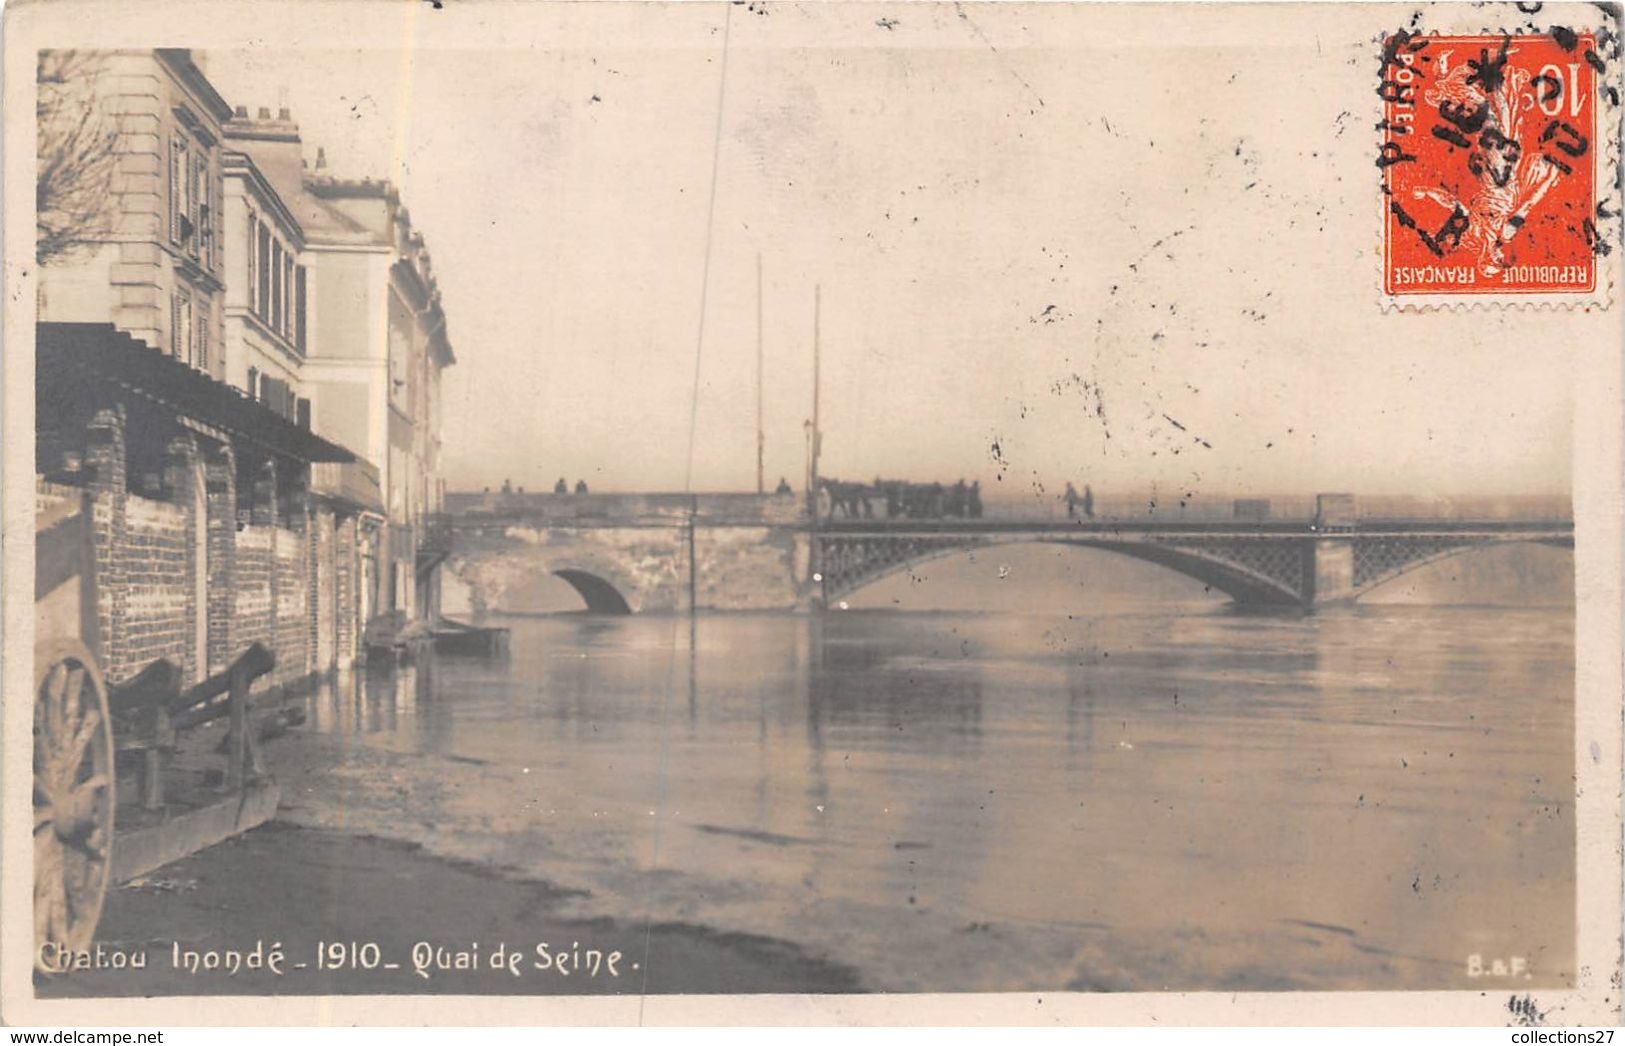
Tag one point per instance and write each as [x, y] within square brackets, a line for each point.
[667, 552]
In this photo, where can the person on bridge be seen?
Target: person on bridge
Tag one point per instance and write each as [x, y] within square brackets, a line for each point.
[1071, 500]
[581, 486]
[561, 487]
[783, 487]
[1088, 501]
[975, 499]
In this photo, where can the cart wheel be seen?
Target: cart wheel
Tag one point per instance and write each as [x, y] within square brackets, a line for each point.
[74, 795]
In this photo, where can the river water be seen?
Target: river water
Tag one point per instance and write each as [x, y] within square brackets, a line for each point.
[1167, 796]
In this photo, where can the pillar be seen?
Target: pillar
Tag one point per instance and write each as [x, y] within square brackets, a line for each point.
[183, 486]
[263, 509]
[347, 589]
[1335, 519]
[106, 462]
[220, 484]
[300, 657]
[1333, 571]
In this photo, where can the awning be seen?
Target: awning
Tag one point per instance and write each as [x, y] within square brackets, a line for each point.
[81, 356]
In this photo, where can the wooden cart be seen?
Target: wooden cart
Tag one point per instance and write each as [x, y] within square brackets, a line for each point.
[111, 800]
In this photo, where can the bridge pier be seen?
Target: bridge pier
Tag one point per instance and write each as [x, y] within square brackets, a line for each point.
[1332, 572]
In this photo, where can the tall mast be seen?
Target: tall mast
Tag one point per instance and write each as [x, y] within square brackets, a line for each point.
[817, 434]
[761, 440]
[815, 559]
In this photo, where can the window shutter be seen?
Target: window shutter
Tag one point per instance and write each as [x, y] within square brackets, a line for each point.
[253, 383]
[193, 208]
[180, 327]
[287, 293]
[276, 286]
[205, 211]
[253, 240]
[264, 308]
[177, 183]
[299, 308]
[203, 315]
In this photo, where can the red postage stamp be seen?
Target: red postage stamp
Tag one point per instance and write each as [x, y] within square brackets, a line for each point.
[1489, 159]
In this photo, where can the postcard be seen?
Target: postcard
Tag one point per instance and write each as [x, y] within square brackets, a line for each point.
[793, 512]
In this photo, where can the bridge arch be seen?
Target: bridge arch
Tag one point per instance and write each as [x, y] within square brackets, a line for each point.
[1378, 562]
[601, 597]
[517, 577]
[1257, 577]
[1281, 572]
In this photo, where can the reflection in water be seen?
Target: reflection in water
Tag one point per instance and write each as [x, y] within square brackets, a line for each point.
[1131, 800]
[863, 697]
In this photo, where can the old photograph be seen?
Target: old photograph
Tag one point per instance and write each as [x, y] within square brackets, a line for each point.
[1084, 503]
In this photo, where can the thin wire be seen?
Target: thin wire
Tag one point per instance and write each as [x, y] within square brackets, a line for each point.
[688, 488]
[705, 271]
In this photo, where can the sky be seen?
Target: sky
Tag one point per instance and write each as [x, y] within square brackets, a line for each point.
[1048, 248]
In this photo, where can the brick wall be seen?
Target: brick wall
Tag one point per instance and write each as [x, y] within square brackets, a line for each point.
[105, 461]
[320, 571]
[158, 572]
[220, 471]
[292, 630]
[252, 618]
[291, 587]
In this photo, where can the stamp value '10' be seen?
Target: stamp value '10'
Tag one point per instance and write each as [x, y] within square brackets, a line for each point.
[1489, 157]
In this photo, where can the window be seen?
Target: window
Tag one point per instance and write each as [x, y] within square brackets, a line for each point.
[287, 291]
[263, 305]
[180, 326]
[253, 256]
[197, 204]
[302, 412]
[278, 395]
[276, 286]
[201, 333]
[179, 223]
[299, 308]
[253, 383]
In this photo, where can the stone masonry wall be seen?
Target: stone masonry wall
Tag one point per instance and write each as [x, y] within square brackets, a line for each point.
[739, 567]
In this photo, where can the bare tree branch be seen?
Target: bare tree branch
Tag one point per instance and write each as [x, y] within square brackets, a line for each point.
[73, 202]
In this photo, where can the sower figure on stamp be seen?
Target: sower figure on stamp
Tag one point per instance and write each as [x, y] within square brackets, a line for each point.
[1487, 100]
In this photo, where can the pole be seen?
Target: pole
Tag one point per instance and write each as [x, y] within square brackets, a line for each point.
[761, 440]
[818, 435]
[814, 560]
[693, 567]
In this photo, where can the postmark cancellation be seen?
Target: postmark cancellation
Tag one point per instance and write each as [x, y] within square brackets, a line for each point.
[1496, 163]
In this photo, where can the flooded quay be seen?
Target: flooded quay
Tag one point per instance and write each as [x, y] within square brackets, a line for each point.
[1130, 796]
[1127, 795]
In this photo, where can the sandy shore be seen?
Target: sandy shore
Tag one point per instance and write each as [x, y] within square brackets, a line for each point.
[300, 888]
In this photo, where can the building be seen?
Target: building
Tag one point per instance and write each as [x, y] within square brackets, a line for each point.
[377, 343]
[266, 292]
[175, 328]
[154, 268]
[268, 340]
